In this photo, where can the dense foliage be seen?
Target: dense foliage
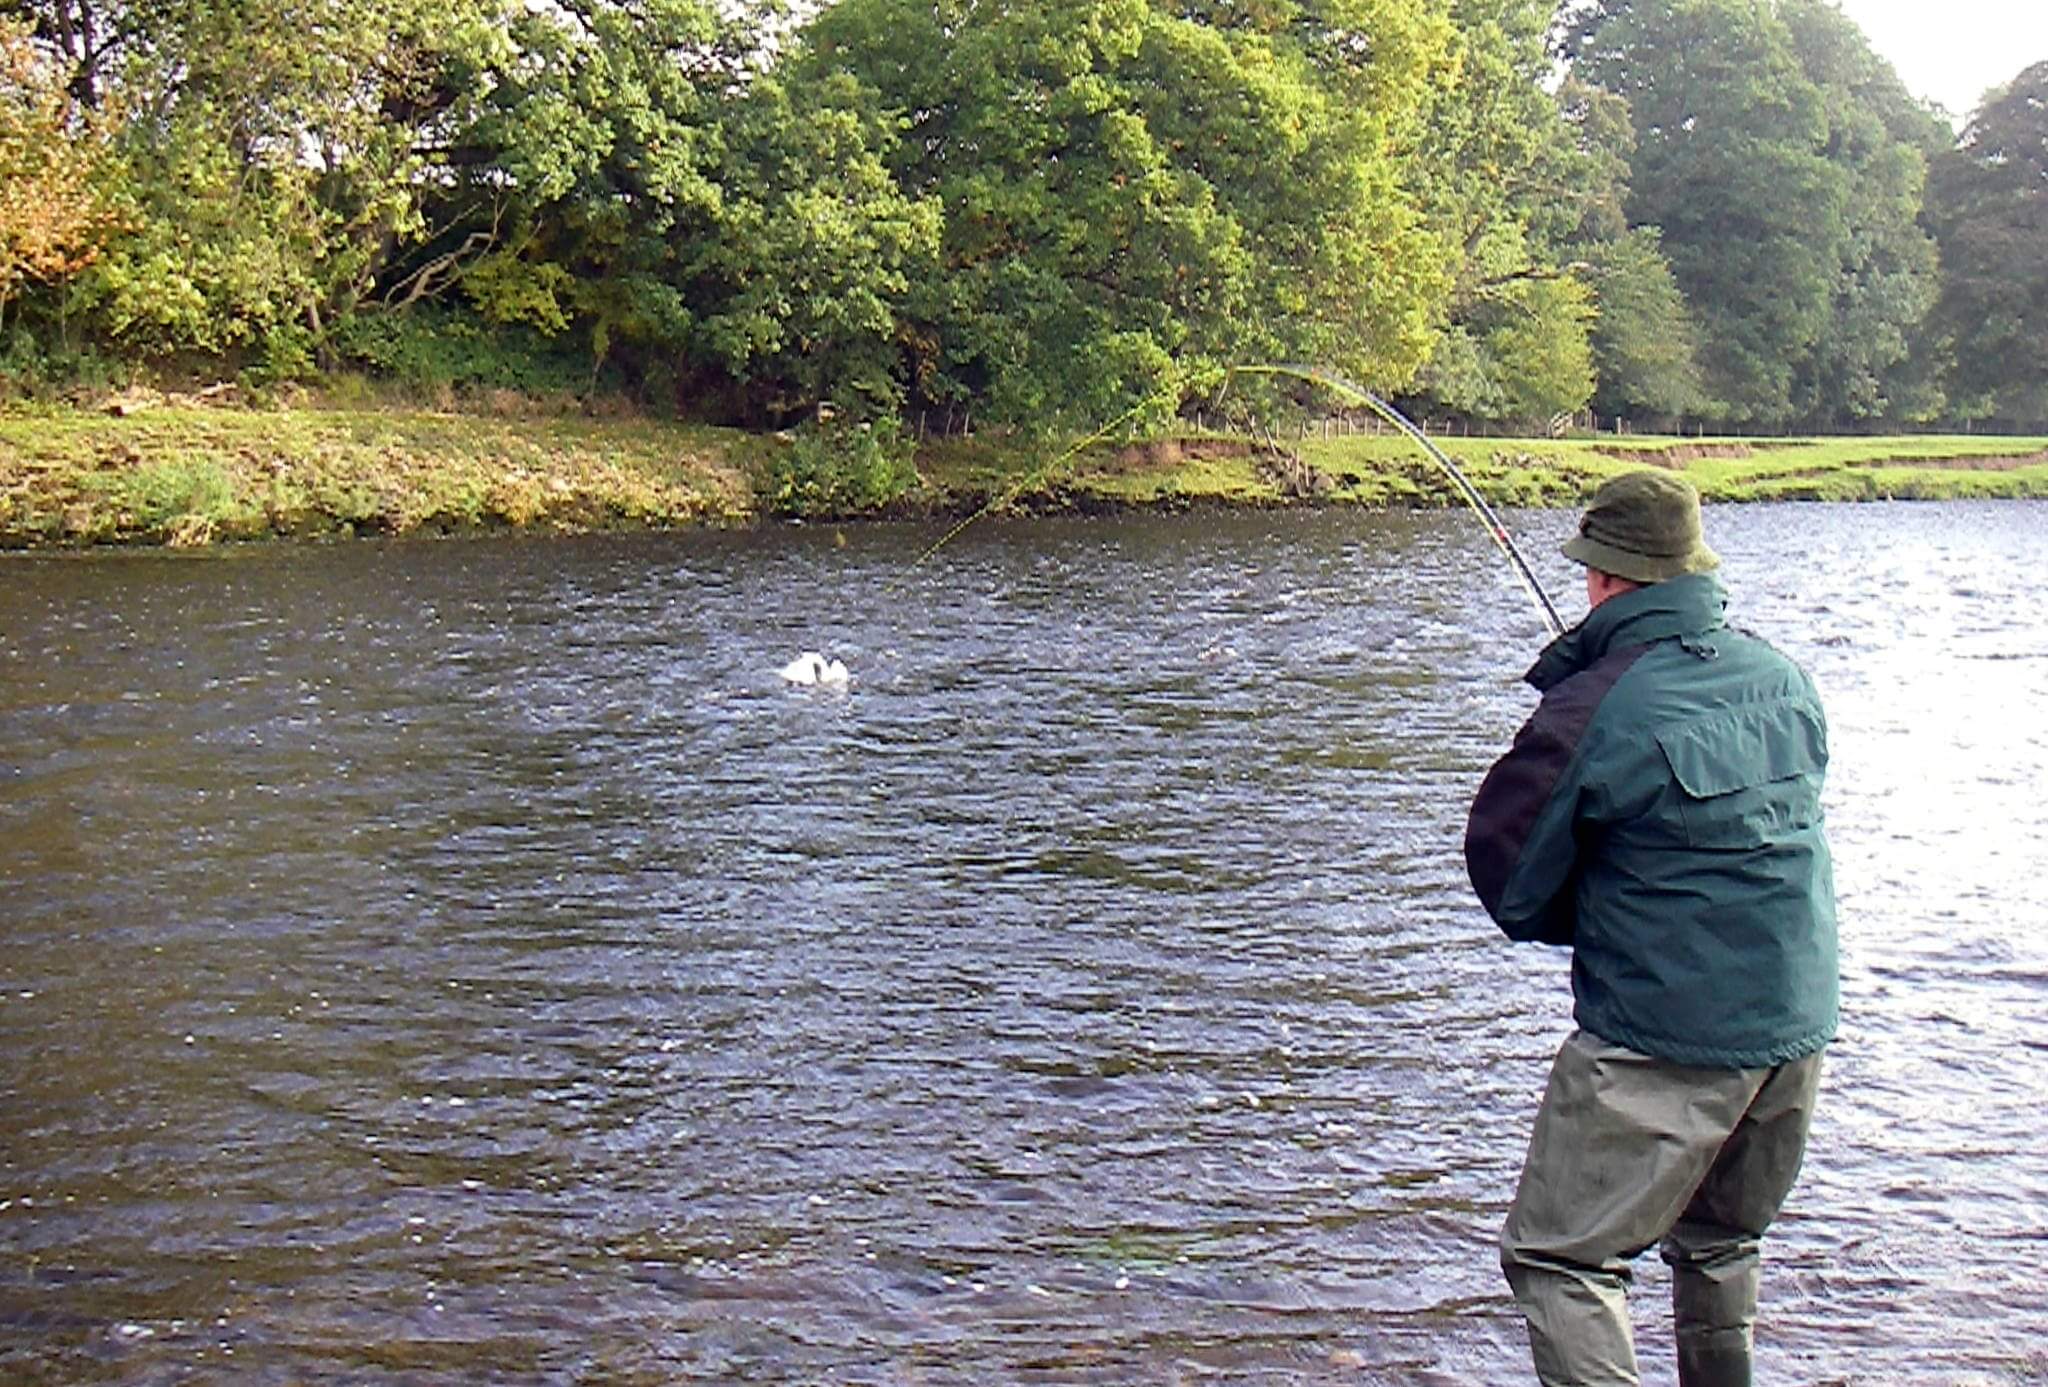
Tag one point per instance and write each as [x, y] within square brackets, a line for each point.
[1722, 212]
[1134, 194]
[1989, 207]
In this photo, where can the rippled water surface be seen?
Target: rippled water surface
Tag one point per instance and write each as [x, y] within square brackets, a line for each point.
[467, 961]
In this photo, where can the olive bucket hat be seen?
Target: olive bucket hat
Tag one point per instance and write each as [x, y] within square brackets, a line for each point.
[1643, 526]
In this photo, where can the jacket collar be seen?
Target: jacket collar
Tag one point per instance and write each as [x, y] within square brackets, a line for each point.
[1689, 606]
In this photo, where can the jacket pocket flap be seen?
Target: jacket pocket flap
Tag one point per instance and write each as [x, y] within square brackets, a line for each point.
[1737, 748]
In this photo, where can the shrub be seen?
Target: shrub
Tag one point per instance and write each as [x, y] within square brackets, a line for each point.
[185, 500]
[830, 468]
[33, 370]
[432, 349]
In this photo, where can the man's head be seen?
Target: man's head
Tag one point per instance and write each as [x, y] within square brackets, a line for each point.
[1642, 528]
[1601, 586]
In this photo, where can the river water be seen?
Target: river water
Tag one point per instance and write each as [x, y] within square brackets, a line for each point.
[467, 961]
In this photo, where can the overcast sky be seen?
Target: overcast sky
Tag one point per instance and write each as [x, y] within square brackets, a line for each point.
[1950, 51]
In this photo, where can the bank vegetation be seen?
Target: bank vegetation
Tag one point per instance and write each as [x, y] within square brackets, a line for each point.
[186, 472]
[940, 216]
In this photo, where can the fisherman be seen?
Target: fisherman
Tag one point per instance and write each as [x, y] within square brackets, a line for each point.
[1659, 815]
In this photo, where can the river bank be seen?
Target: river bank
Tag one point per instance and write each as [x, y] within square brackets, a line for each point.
[191, 474]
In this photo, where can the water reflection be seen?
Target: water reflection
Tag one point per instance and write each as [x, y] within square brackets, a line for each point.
[442, 961]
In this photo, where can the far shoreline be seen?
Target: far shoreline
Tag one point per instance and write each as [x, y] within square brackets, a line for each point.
[194, 476]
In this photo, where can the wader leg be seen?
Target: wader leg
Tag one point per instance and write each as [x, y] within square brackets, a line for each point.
[1579, 1333]
[1714, 1249]
[1714, 1274]
[1621, 1143]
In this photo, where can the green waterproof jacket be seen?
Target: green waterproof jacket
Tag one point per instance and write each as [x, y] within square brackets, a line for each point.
[1660, 815]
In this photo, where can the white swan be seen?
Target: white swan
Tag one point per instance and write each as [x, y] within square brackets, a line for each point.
[813, 668]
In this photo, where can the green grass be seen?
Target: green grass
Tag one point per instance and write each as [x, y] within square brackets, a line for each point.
[1860, 469]
[1544, 472]
[196, 475]
[1391, 471]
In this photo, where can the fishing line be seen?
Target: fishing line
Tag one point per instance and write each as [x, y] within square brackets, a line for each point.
[1315, 376]
[1494, 527]
[1037, 474]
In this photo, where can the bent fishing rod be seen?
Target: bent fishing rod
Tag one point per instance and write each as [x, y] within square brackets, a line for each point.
[1498, 531]
[1313, 375]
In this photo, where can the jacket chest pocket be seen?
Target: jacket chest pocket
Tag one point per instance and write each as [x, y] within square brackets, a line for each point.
[1749, 776]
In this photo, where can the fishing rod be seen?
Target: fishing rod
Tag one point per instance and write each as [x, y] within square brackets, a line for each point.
[1316, 376]
[1502, 540]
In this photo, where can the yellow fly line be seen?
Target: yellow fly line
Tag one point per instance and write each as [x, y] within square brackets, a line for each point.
[1313, 375]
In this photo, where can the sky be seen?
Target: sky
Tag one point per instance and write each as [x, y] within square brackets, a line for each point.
[1951, 51]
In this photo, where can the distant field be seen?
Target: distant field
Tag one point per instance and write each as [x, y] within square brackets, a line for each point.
[197, 475]
[1388, 470]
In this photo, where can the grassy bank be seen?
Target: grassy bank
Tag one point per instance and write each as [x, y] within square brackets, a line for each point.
[196, 475]
[1390, 471]
[190, 474]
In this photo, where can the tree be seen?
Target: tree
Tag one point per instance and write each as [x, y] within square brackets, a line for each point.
[54, 217]
[581, 163]
[1989, 200]
[1782, 162]
[88, 39]
[1860, 368]
[271, 160]
[642, 177]
[1643, 339]
[800, 283]
[1506, 185]
[1730, 164]
[1134, 194]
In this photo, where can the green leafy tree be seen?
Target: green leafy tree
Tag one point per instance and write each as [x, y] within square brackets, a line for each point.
[1643, 339]
[584, 139]
[802, 276]
[1861, 367]
[272, 159]
[218, 256]
[1133, 194]
[1523, 355]
[1508, 186]
[1730, 165]
[1782, 163]
[1990, 211]
[631, 174]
